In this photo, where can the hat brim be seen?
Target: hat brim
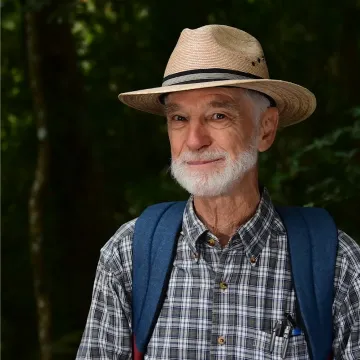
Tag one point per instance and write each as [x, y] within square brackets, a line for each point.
[294, 102]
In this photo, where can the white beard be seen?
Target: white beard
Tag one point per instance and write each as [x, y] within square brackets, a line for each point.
[212, 182]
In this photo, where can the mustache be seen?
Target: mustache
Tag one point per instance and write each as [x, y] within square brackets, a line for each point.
[205, 156]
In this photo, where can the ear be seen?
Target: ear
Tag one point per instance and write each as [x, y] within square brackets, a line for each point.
[268, 125]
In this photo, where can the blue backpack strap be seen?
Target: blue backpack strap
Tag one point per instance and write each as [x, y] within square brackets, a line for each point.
[154, 247]
[313, 238]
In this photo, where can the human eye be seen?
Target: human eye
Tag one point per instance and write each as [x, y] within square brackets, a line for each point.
[176, 121]
[218, 116]
[220, 120]
[178, 118]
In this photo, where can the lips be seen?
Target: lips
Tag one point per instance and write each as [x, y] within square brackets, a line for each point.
[203, 162]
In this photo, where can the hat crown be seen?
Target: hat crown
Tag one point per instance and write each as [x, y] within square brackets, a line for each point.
[217, 47]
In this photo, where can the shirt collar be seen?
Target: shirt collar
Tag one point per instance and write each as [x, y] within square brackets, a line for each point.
[253, 234]
[192, 226]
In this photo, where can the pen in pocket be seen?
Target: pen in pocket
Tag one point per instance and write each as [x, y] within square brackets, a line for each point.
[275, 332]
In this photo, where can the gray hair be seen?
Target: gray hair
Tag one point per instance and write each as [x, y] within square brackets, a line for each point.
[259, 101]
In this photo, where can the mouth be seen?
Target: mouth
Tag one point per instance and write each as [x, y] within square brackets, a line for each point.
[203, 162]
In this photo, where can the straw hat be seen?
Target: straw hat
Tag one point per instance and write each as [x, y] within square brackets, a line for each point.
[219, 55]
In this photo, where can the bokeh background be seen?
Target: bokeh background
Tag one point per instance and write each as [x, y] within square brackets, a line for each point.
[76, 163]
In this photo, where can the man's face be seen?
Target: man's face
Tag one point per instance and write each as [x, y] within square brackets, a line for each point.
[213, 136]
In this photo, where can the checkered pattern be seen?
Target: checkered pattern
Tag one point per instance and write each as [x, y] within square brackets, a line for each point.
[204, 319]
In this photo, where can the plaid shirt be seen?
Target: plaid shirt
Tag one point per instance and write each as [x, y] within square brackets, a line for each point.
[221, 303]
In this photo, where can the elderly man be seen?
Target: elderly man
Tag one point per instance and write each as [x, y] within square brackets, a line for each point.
[231, 280]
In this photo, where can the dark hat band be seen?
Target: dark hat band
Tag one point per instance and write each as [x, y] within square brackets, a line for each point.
[199, 75]
[207, 75]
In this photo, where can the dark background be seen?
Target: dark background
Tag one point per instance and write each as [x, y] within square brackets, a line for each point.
[63, 196]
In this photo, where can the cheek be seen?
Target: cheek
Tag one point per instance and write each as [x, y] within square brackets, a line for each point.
[176, 143]
[244, 135]
[233, 141]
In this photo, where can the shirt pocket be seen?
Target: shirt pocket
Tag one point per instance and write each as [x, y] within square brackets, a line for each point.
[296, 350]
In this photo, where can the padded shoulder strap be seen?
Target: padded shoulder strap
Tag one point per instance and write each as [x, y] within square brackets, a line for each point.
[312, 239]
[154, 246]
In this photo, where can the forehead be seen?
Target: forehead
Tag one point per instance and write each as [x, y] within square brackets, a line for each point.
[206, 96]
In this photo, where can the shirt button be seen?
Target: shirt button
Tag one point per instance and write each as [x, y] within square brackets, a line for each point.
[221, 340]
[196, 256]
[211, 242]
[223, 286]
[253, 259]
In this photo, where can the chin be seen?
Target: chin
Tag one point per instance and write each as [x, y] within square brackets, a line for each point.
[205, 186]
[203, 172]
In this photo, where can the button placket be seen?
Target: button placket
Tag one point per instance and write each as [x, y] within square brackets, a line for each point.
[219, 298]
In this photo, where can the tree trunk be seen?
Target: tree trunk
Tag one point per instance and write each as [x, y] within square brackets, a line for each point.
[75, 221]
[36, 200]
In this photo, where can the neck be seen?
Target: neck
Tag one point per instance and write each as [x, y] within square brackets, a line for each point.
[224, 214]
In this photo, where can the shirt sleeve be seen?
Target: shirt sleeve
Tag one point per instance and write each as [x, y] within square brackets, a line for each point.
[346, 345]
[107, 334]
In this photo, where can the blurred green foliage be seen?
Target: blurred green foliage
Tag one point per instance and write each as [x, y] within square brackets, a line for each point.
[122, 46]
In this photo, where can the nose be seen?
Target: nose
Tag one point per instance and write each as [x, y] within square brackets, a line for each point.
[198, 136]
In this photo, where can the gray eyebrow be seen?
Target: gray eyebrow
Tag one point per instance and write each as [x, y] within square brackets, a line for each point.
[171, 107]
[215, 104]
[224, 104]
